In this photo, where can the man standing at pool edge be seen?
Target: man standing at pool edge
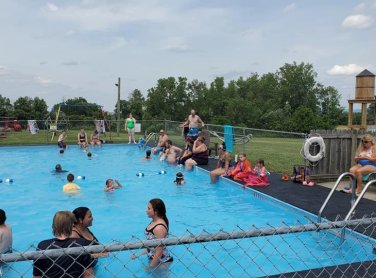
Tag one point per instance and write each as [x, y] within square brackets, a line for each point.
[193, 123]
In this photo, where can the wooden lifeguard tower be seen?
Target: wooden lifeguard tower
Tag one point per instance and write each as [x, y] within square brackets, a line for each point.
[364, 95]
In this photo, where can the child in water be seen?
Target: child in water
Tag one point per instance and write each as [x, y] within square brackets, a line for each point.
[148, 154]
[110, 185]
[71, 187]
[179, 179]
[59, 169]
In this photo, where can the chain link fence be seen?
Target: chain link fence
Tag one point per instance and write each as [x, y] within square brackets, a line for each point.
[280, 150]
[330, 249]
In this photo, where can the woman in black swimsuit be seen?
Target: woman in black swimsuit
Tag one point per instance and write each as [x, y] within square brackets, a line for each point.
[84, 219]
[157, 229]
[200, 154]
[82, 138]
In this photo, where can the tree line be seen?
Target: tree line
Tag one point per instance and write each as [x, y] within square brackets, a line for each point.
[290, 100]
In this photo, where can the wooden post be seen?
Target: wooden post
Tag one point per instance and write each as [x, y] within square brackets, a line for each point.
[350, 117]
[354, 144]
[364, 115]
[118, 108]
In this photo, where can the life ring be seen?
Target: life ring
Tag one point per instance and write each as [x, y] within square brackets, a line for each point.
[308, 143]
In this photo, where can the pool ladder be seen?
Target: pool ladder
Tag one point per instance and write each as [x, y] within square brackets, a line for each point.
[147, 139]
[354, 201]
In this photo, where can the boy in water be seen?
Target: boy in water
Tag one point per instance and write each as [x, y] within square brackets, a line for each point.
[148, 154]
[70, 187]
[110, 185]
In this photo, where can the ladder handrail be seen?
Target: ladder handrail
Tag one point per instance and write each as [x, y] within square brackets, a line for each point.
[147, 139]
[358, 199]
[346, 174]
[150, 135]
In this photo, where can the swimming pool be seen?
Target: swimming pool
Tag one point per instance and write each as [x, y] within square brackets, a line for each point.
[36, 194]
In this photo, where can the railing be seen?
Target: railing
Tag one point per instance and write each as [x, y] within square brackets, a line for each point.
[302, 250]
[280, 150]
[340, 178]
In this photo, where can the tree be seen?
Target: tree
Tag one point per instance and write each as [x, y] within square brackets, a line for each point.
[23, 108]
[78, 109]
[304, 120]
[136, 104]
[39, 107]
[157, 99]
[331, 113]
[197, 99]
[297, 84]
[6, 108]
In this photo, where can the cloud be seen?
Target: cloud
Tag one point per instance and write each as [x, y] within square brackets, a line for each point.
[345, 70]
[362, 7]
[71, 63]
[4, 70]
[289, 8]
[42, 81]
[51, 7]
[358, 21]
[176, 44]
[252, 34]
[232, 74]
[119, 42]
[106, 16]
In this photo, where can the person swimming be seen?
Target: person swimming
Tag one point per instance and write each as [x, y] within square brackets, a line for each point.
[148, 154]
[59, 169]
[179, 179]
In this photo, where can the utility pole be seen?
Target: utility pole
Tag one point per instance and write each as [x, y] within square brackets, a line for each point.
[118, 108]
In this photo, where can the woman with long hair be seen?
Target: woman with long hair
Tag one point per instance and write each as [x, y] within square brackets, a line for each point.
[365, 158]
[157, 229]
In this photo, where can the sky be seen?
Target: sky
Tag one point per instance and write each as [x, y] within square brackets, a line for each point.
[63, 49]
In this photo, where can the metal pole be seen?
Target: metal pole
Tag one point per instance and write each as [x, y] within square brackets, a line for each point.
[118, 108]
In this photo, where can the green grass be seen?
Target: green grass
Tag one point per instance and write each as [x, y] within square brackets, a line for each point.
[280, 154]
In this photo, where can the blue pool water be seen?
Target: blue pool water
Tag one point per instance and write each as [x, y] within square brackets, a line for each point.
[199, 207]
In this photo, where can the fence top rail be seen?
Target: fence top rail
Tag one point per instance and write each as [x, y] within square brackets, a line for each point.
[253, 129]
[207, 237]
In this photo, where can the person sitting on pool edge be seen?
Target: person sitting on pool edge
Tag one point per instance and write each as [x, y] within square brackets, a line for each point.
[200, 154]
[223, 164]
[60, 141]
[110, 185]
[170, 152]
[95, 139]
[242, 169]
[161, 142]
[70, 187]
[82, 139]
